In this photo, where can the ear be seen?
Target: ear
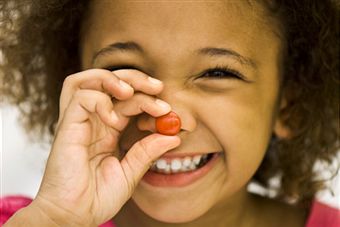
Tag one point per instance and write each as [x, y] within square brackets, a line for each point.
[281, 130]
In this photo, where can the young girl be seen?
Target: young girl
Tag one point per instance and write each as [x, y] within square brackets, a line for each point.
[253, 83]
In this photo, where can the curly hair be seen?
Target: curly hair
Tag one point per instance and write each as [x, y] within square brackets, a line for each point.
[35, 59]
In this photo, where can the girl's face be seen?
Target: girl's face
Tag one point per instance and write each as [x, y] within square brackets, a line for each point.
[232, 112]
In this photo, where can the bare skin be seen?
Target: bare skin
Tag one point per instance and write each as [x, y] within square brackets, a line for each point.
[170, 33]
[263, 212]
[88, 180]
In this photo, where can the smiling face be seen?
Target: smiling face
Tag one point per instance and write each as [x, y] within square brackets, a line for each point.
[231, 112]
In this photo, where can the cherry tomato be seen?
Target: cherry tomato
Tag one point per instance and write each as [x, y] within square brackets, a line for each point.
[169, 124]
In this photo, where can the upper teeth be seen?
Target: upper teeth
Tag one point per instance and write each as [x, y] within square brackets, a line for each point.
[178, 164]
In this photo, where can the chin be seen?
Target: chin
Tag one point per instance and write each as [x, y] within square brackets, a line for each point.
[185, 202]
[172, 212]
[172, 219]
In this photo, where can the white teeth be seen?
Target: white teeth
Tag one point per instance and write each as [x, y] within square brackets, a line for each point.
[184, 168]
[167, 169]
[186, 162]
[197, 159]
[178, 164]
[192, 166]
[161, 164]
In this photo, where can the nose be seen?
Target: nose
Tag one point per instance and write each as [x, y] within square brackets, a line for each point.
[180, 104]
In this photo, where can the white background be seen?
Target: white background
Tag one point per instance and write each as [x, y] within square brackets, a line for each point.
[22, 161]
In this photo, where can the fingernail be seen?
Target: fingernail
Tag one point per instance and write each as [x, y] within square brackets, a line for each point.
[124, 85]
[162, 104]
[154, 81]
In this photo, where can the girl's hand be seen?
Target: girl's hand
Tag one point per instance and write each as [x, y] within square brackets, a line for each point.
[84, 183]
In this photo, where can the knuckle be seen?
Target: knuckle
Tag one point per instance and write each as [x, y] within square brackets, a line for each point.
[131, 184]
[148, 104]
[145, 151]
[143, 145]
[94, 71]
[131, 76]
[78, 94]
[107, 100]
[69, 80]
[106, 74]
[142, 98]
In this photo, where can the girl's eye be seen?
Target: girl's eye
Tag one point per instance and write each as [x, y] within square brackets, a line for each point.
[113, 68]
[222, 73]
[219, 72]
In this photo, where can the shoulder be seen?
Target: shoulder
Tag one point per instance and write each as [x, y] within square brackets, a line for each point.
[10, 205]
[276, 213]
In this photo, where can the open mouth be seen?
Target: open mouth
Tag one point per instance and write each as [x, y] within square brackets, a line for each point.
[182, 165]
[180, 172]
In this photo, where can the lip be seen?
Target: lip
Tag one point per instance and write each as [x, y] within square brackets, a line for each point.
[179, 179]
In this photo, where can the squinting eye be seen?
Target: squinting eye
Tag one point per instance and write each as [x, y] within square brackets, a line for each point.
[219, 72]
[222, 73]
[113, 68]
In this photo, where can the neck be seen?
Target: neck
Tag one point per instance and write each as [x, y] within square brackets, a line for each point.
[234, 211]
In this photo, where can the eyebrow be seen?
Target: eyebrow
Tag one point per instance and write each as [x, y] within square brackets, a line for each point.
[209, 51]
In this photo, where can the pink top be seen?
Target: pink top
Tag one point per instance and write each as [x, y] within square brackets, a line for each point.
[321, 215]
[10, 204]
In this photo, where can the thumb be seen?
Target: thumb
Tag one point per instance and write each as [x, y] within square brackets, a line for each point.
[139, 158]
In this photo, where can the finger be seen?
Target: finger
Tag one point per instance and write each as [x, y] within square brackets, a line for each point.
[140, 81]
[140, 103]
[73, 137]
[143, 153]
[105, 81]
[94, 79]
[85, 102]
[119, 84]
[101, 80]
[146, 123]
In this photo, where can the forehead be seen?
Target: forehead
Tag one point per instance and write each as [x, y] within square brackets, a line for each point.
[171, 26]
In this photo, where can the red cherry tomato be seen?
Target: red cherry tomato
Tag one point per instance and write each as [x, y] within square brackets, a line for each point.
[169, 124]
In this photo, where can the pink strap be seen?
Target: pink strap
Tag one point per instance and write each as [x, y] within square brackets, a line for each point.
[11, 204]
[323, 215]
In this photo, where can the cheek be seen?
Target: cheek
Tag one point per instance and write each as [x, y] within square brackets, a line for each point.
[242, 123]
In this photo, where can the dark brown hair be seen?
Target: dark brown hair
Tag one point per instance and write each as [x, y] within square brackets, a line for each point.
[39, 43]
